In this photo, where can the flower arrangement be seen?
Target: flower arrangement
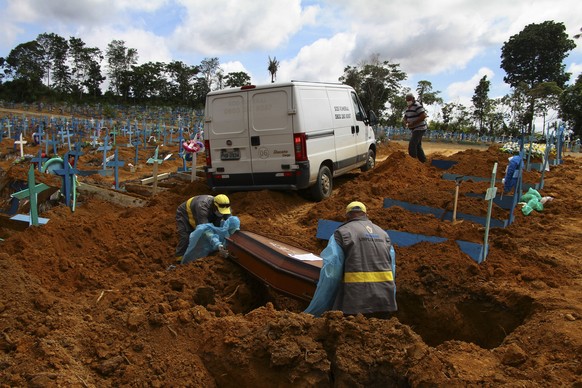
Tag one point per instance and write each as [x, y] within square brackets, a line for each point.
[537, 150]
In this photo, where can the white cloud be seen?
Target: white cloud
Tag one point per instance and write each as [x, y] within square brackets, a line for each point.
[233, 66]
[463, 91]
[79, 11]
[221, 26]
[67, 18]
[150, 47]
[133, 5]
[576, 70]
[323, 60]
[431, 37]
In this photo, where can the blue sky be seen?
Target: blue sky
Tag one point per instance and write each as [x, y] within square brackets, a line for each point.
[451, 43]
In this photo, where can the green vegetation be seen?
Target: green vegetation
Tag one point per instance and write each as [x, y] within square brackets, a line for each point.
[54, 70]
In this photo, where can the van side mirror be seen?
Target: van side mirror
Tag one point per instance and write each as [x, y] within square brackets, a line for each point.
[372, 118]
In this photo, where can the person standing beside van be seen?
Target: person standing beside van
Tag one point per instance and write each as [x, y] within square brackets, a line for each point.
[201, 209]
[415, 120]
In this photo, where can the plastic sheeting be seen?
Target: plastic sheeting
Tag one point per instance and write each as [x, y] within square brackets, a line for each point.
[512, 173]
[329, 279]
[533, 201]
[206, 238]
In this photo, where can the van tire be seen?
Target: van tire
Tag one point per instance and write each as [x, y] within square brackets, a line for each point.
[324, 184]
[370, 161]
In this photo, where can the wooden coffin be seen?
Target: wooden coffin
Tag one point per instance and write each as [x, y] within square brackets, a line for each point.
[276, 264]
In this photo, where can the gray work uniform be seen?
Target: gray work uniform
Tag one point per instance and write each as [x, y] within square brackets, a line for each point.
[368, 285]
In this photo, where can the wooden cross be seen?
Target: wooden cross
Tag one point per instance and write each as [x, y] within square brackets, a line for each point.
[8, 126]
[21, 143]
[32, 193]
[52, 142]
[39, 159]
[116, 163]
[155, 161]
[489, 196]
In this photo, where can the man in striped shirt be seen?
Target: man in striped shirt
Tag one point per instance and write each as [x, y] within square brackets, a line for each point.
[415, 120]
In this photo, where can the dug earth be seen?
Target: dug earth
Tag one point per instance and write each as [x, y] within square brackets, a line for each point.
[87, 300]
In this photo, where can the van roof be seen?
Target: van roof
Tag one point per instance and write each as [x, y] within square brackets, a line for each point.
[279, 85]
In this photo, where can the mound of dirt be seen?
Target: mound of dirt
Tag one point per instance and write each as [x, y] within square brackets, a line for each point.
[87, 299]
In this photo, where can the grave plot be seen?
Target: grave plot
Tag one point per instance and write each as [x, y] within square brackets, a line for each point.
[105, 299]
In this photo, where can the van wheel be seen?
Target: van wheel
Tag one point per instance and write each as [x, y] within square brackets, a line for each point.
[370, 161]
[324, 184]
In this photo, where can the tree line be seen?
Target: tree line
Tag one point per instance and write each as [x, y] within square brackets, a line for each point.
[52, 68]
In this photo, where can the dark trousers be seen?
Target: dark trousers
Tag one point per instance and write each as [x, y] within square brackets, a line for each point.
[415, 146]
[184, 229]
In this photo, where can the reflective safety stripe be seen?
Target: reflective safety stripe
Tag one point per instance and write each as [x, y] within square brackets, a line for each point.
[191, 219]
[368, 277]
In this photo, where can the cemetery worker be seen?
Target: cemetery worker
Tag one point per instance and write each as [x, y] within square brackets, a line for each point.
[201, 209]
[415, 120]
[368, 285]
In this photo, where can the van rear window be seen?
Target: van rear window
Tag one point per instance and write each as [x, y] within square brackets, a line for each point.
[228, 114]
[269, 110]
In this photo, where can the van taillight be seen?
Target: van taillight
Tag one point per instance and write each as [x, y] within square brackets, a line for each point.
[207, 152]
[300, 147]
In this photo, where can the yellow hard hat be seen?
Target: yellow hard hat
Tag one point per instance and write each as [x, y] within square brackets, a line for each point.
[356, 206]
[222, 203]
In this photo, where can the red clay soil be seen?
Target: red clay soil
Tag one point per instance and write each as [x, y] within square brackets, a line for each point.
[87, 301]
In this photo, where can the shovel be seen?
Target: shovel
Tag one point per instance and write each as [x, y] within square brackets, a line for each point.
[458, 181]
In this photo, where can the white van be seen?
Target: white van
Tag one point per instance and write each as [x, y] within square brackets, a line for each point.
[288, 136]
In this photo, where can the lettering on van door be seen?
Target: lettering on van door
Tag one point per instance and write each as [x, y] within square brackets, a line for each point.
[283, 153]
[342, 112]
[261, 104]
[233, 107]
[264, 153]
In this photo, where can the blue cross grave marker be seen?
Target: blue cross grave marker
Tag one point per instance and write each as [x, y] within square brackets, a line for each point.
[76, 154]
[32, 193]
[116, 163]
[52, 142]
[39, 159]
[69, 189]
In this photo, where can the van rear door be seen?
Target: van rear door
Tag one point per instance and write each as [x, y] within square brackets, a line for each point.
[251, 138]
[270, 113]
[227, 129]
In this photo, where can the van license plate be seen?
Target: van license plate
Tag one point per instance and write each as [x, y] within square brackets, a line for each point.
[233, 154]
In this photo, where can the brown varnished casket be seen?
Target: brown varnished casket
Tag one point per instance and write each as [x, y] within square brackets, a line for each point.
[276, 264]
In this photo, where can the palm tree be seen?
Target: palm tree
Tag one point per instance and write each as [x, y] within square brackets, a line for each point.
[273, 67]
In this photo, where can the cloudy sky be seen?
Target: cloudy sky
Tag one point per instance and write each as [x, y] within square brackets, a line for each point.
[451, 43]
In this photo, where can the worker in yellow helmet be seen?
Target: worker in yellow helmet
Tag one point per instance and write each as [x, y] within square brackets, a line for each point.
[368, 285]
[201, 209]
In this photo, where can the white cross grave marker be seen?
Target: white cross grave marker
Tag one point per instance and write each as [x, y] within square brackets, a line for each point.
[22, 143]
